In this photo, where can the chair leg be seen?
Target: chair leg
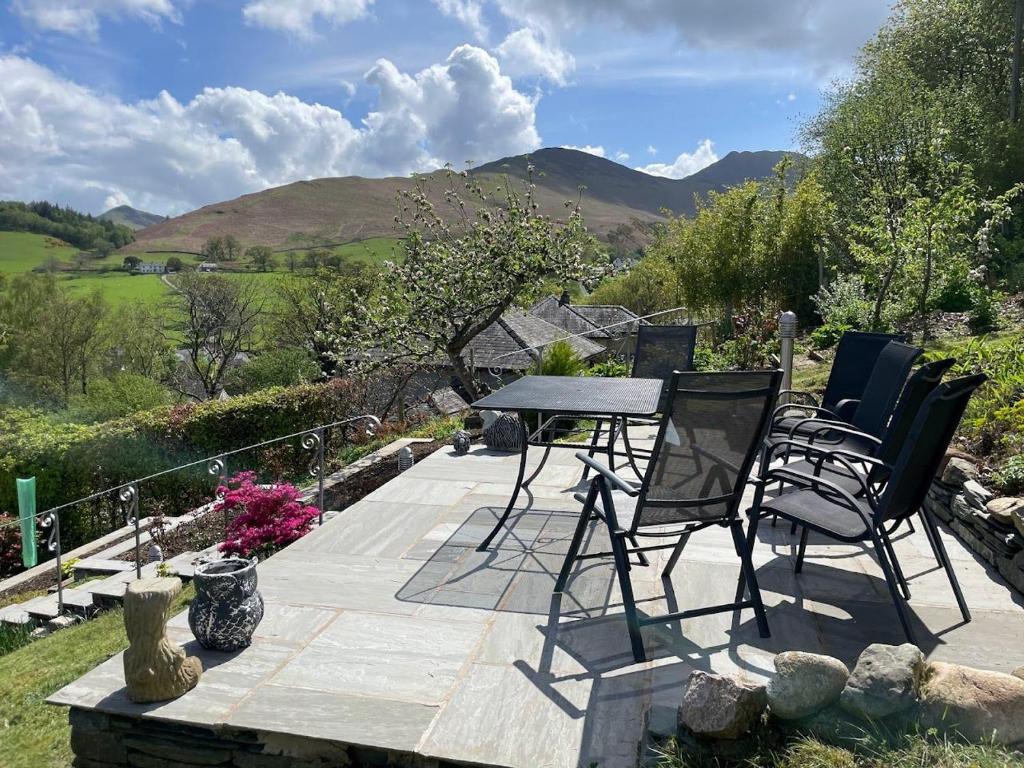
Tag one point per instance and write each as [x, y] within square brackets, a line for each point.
[943, 558]
[754, 517]
[800, 552]
[894, 592]
[629, 603]
[897, 569]
[593, 445]
[750, 576]
[577, 538]
[931, 538]
[792, 528]
[677, 550]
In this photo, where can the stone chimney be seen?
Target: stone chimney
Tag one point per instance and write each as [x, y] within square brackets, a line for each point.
[563, 300]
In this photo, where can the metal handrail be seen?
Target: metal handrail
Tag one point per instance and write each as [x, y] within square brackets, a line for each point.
[127, 494]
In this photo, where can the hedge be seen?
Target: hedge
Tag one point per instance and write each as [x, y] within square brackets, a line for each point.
[71, 461]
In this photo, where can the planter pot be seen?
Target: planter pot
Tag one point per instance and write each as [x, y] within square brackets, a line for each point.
[227, 607]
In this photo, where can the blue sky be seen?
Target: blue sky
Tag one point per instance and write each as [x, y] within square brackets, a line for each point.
[172, 104]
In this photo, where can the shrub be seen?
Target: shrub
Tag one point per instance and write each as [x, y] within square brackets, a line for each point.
[10, 545]
[608, 369]
[274, 368]
[264, 519]
[1010, 477]
[844, 302]
[828, 335]
[116, 396]
[559, 359]
[983, 315]
[957, 291]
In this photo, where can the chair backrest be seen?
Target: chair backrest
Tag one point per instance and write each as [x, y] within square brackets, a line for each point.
[710, 434]
[924, 448]
[855, 358]
[921, 384]
[883, 387]
[661, 350]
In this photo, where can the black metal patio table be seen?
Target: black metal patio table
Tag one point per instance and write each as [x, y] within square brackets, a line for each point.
[559, 397]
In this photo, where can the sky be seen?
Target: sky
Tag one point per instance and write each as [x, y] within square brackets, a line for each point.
[167, 105]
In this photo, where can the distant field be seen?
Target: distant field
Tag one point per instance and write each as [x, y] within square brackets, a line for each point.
[24, 251]
[373, 250]
[119, 288]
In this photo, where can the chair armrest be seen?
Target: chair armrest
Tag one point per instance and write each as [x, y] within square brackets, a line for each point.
[817, 409]
[846, 429]
[845, 408]
[608, 475]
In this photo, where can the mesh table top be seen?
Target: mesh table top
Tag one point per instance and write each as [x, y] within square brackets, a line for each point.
[577, 395]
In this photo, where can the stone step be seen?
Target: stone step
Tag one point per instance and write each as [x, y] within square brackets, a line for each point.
[99, 566]
[77, 601]
[109, 592]
[16, 615]
[42, 608]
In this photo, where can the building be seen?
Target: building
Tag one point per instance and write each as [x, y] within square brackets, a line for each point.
[611, 325]
[208, 266]
[150, 268]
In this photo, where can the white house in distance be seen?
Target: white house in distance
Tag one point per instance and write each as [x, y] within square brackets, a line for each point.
[208, 266]
[150, 268]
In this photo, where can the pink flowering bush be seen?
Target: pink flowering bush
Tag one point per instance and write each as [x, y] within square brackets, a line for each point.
[264, 519]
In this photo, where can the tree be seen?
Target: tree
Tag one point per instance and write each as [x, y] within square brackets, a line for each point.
[138, 340]
[463, 270]
[174, 264]
[220, 316]
[232, 248]
[213, 249]
[131, 263]
[314, 310]
[261, 257]
[281, 367]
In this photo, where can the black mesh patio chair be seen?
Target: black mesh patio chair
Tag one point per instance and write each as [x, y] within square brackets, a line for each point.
[854, 360]
[894, 492]
[660, 351]
[709, 436]
[835, 436]
[871, 411]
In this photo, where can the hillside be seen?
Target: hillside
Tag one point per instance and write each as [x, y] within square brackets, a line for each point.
[130, 217]
[343, 210]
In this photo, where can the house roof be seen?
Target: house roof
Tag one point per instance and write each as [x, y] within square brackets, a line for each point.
[504, 344]
[590, 319]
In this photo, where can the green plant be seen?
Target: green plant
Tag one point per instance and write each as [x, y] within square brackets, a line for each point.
[844, 302]
[1009, 478]
[67, 567]
[828, 335]
[611, 368]
[559, 359]
[983, 315]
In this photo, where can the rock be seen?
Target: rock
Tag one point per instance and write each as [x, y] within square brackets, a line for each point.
[962, 509]
[977, 494]
[1018, 519]
[60, 622]
[958, 471]
[1018, 672]
[977, 704]
[1003, 509]
[886, 681]
[804, 683]
[721, 707]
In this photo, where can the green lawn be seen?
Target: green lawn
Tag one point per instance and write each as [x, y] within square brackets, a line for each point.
[24, 251]
[34, 734]
[374, 250]
[118, 287]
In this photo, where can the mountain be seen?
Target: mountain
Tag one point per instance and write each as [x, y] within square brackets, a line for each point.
[131, 217]
[347, 209]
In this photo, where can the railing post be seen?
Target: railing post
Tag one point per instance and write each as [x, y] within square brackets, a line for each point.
[128, 496]
[787, 335]
[314, 441]
[218, 468]
[52, 521]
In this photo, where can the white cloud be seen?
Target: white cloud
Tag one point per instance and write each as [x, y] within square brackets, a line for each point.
[621, 157]
[64, 142]
[83, 16]
[652, 150]
[791, 97]
[588, 148]
[297, 17]
[469, 12]
[526, 53]
[686, 164]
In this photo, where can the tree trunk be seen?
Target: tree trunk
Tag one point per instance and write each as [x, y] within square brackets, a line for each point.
[923, 302]
[883, 289]
[464, 375]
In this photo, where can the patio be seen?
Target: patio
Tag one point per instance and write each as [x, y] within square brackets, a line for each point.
[388, 636]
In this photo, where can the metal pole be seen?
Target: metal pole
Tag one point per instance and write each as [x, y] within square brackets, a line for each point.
[60, 570]
[320, 473]
[1018, 24]
[787, 334]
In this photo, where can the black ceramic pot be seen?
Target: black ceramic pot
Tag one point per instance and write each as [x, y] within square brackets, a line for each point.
[227, 607]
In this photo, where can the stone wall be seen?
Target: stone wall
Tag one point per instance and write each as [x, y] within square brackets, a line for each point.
[992, 527]
[116, 741]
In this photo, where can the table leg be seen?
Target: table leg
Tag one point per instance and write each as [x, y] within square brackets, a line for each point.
[524, 436]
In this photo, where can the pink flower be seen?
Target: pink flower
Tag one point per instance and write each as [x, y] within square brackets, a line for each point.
[266, 518]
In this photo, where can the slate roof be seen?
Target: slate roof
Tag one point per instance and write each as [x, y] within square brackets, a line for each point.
[505, 343]
[586, 318]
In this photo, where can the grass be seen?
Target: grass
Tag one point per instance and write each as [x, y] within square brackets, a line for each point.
[804, 751]
[34, 734]
[24, 251]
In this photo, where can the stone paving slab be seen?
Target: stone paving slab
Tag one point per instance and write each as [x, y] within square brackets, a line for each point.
[386, 629]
